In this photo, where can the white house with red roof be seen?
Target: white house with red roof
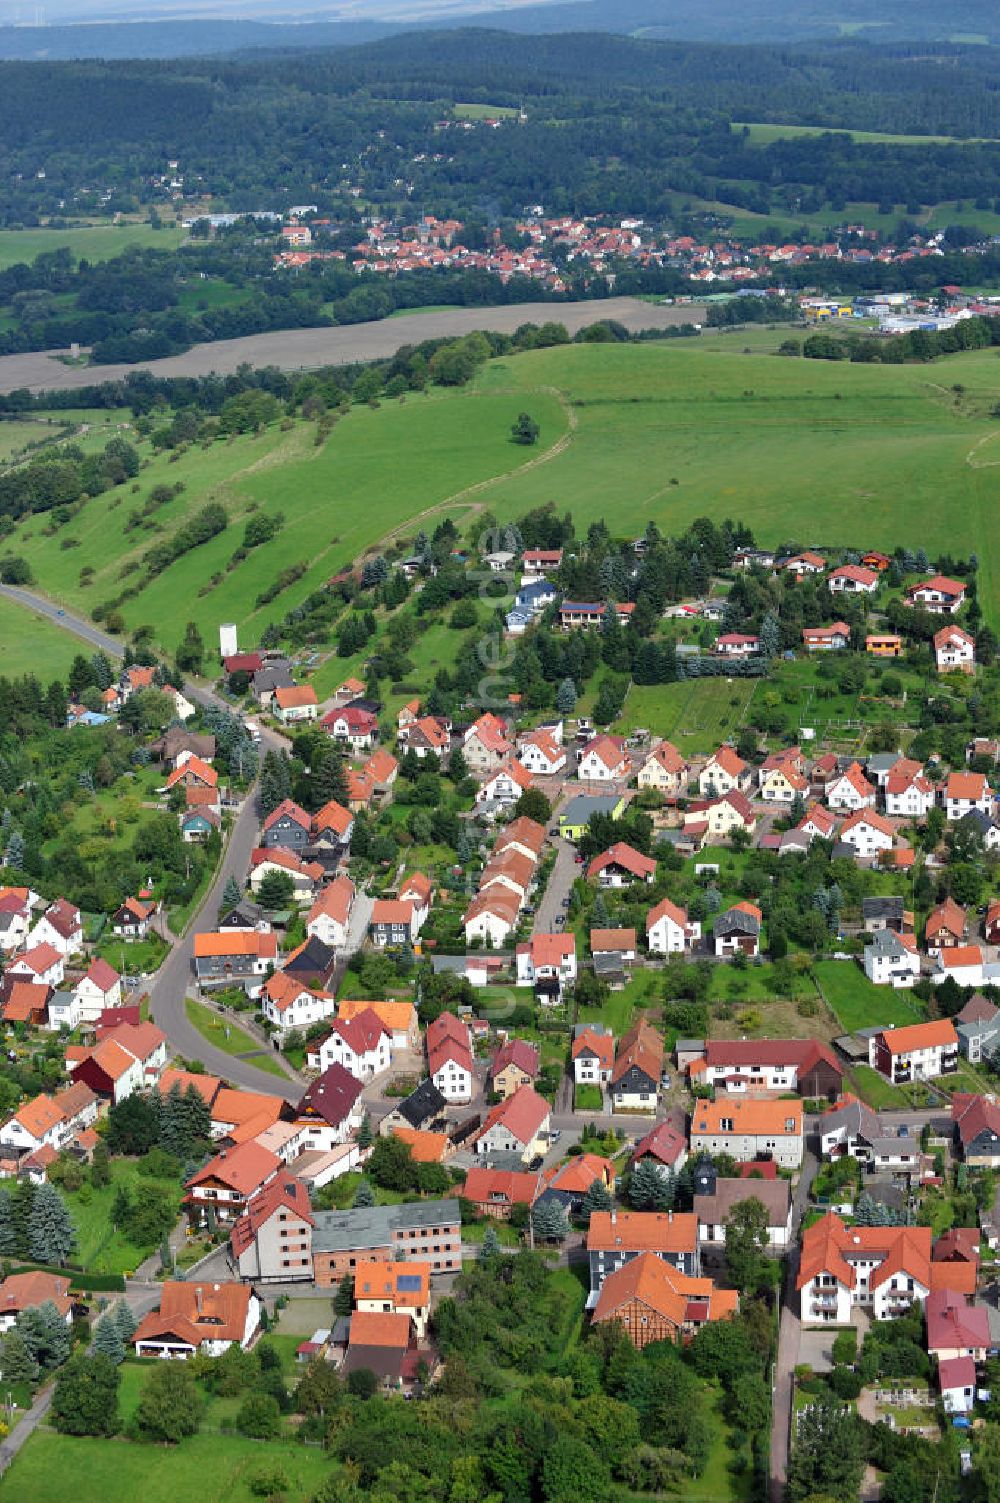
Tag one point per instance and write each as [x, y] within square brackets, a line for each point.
[850, 790]
[505, 785]
[669, 931]
[920, 1051]
[491, 917]
[954, 650]
[547, 962]
[425, 737]
[735, 644]
[540, 753]
[353, 725]
[664, 770]
[909, 793]
[965, 791]
[295, 704]
[593, 1054]
[801, 564]
[449, 1057]
[868, 832]
[965, 964]
[362, 1044]
[39, 963]
[818, 823]
[329, 917]
[100, 988]
[604, 760]
[939, 595]
[621, 865]
[852, 579]
[520, 1125]
[59, 926]
[289, 1006]
[724, 772]
[782, 779]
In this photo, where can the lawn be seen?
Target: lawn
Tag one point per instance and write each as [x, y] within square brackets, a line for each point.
[588, 1098]
[100, 1248]
[228, 1036]
[485, 111]
[697, 715]
[214, 1468]
[30, 643]
[93, 242]
[643, 990]
[139, 957]
[856, 1003]
[15, 435]
[875, 1089]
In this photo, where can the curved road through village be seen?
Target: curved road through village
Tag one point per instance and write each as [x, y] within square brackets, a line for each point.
[167, 993]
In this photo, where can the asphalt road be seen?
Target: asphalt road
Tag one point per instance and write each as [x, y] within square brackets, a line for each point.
[88, 633]
[788, 1339]
[307, 349]
[561, 878]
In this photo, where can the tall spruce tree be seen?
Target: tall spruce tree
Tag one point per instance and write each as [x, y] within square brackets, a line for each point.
[51, 1233]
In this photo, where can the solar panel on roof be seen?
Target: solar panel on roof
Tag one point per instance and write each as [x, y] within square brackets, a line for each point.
[409, 1282]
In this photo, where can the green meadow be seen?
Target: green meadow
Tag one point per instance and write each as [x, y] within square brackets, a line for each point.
[817, 452]
[763, 132]
[91, 242]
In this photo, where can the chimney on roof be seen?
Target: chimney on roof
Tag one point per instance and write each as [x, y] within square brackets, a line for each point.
[197, 1298]
[614, 1218]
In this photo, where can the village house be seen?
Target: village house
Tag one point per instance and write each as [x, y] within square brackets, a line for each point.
[884, 645]
[331, 1109]
[884, 1269]
[664, 1146]
[955, 1328]
[954, 650]
[909, 793]
[939, 595]
[295, 704]
[833, 638]
[513, 1065]
[42, 964]
[574, 819]
[921, 1051]
[491, 918]
[547, 962]
[669, 931]
[892, 959]
[867, 832]
[801, 564]
[592, 1053]
[738, 929]
[504, 786]
[384, 1286]
[59, 926]
[738, 1066]
[603, 760]
[652, 1301]
[723, 773]
[449, 1058]
[362, 1044]
[99, 988]
[353, 726]
[621, 865]
[234, 956]
[288, 826]
[965, 964]
[329, 918]
[978, 1029]
[305, 875]
[589, 614]
[124, 1060]
[613, 951]
[290, 1007]
[30, 1291]
[664, 771]
[229, 1181]
[198, 1320]
[715, 1198]
[399, 1018]
[332, 826]
[273, 1237]
[131, 920]
[393, 923]
[519, 1125]
[964, 792]
[946, 927]
[976, 1124]
[425, 737]
[535, 562]
[615, 1238]
[748, 1130]
[638, 1069]
[850, 790]
[735, 644]
[852, 579]
[541, 752]
[782, 780]
[486, 746]
[721, 816]
[192, 773]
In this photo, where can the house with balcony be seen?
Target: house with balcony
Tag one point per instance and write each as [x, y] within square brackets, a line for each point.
[892, 959]
[921, 1051]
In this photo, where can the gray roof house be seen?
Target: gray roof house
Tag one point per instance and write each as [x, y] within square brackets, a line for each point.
[882, 913]
[978, 1029]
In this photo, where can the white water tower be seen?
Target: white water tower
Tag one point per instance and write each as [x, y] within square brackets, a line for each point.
[227, 640]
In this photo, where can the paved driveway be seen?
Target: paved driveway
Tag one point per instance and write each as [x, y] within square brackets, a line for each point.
[561, 879]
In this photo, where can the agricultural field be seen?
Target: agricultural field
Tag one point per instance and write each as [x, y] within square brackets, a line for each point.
[485, 112]
[761, 133]
[91, 242]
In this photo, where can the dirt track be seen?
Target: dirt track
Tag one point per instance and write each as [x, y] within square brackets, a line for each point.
[304, 349]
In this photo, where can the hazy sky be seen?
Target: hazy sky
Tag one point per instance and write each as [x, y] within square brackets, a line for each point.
[31, 12]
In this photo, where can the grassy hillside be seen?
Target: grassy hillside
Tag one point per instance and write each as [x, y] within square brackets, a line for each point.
[94, 242]
[822, 453]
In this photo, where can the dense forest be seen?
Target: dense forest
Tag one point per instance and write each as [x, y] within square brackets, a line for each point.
[613, 125]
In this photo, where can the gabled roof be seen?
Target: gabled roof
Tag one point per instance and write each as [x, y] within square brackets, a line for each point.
[216, 1312]
[397, 1017]
[28, 1291]
[626, 856]
[522, 1115]
[803, 1054]
[332, 1096]
[245, 1168]
[666, 909]
[282, 1194]
[947, 916]
[919, 1036]
[657, 1285]
[666, 1143]
[334, 902]
[973, 1115]
[39, 958]
[102, 975]
[641, 1049]
[966, 785]
[869, 817]
[643, 1231]
[288, 809]
[607, 749]
[332, 816]
[516, 1052]
[612, 940]
[939, 583]
[751, 1118]
[370, 1329]
[295, 697]
[601, 1045]
[39, 1116]
[506, 1186]
[726, 759]
[521, 831]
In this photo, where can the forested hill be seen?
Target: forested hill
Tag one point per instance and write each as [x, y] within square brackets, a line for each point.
[776, 22]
